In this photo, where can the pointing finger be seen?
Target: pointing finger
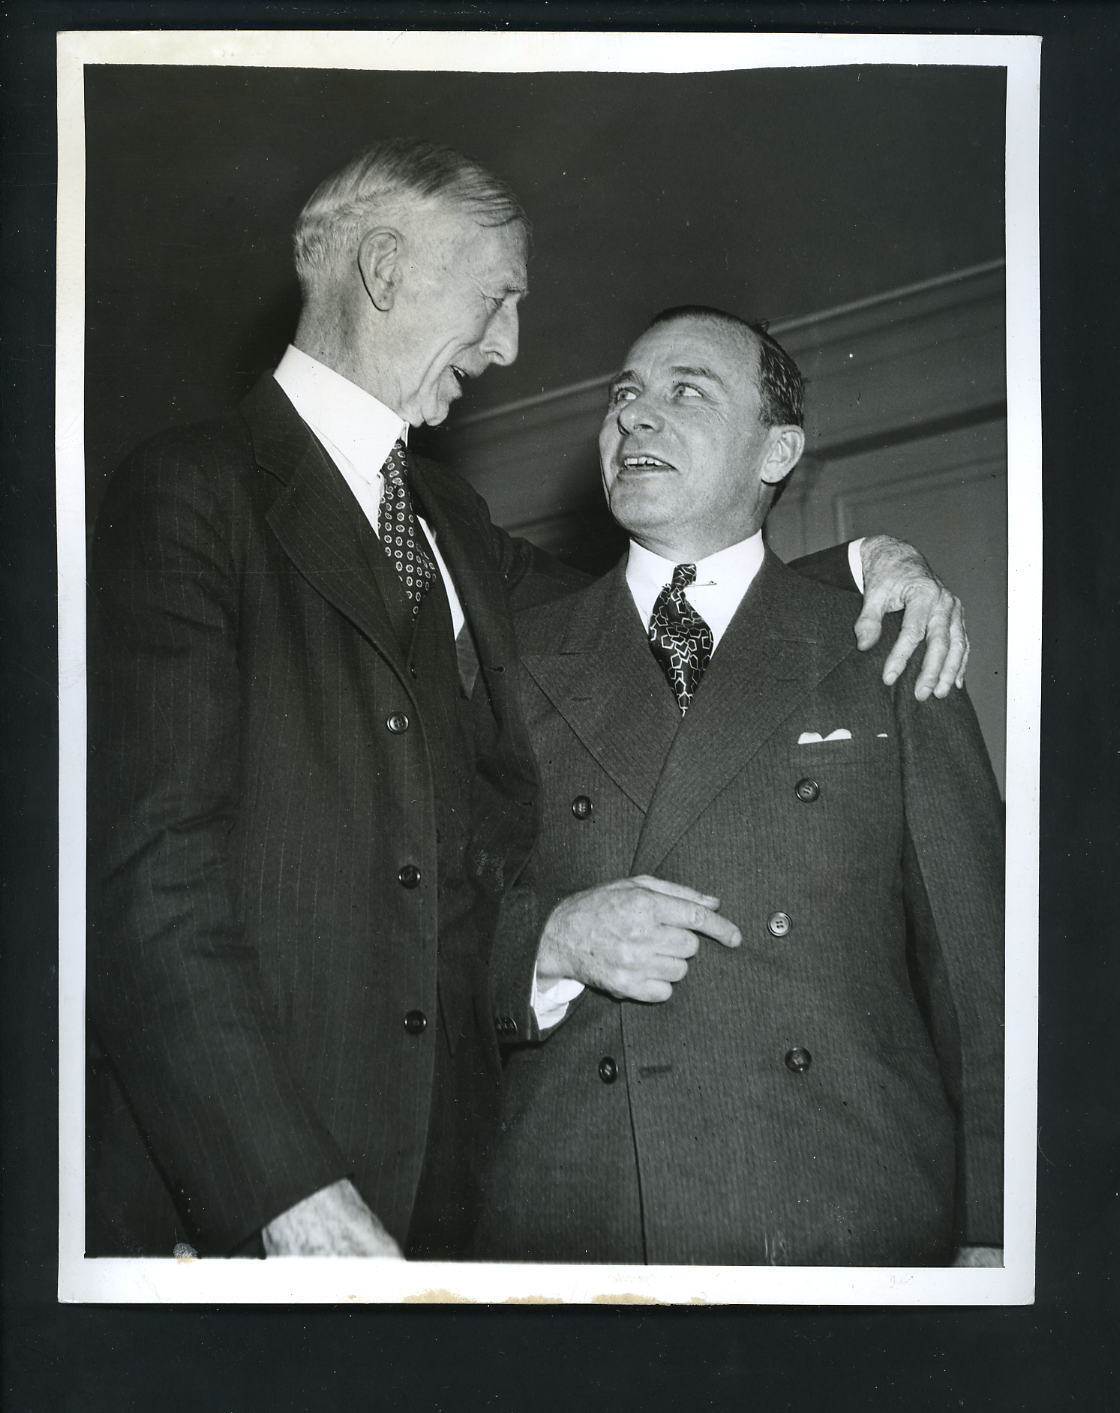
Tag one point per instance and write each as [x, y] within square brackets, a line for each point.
[676, 890]
[721, 929]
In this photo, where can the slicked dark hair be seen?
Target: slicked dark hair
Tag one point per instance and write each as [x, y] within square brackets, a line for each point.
[780, 384]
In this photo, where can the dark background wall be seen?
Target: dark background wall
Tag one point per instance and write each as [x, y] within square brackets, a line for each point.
[847, 205]
[775, 193]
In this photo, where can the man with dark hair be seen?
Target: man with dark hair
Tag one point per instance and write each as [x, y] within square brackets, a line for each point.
[311, 790]
[781, 388]
[825, 1087]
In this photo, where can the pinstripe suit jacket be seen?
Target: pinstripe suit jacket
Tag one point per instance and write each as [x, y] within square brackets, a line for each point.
[831, 1091]
[252, 952]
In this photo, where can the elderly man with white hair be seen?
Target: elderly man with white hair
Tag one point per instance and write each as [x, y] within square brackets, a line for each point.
[311, 790]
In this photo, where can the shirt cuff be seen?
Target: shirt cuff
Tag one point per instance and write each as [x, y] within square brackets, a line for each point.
[551, 1000]
[855, 561]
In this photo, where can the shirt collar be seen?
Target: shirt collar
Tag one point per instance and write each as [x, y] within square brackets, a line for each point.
[733, 567]
[339, 412]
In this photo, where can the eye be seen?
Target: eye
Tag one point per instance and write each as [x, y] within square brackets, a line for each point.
[687, 390]
[622, 392]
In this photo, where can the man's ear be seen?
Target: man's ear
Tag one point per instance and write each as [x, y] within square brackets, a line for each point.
[379, 261]
[783, 453]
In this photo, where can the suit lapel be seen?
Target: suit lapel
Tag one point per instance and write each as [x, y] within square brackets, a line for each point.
[315, 518]
[478, 582]
[774, 653]
[467, 557]
[604, 681]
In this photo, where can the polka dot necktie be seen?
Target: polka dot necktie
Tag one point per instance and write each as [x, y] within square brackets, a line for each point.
[680, 639]
[400, 538]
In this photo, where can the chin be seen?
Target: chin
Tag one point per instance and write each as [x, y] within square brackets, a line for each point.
[434, 413]
[648, 494]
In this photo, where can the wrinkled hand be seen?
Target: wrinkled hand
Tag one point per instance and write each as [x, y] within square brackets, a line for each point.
[897, 577]
[631, 938]
[331, 1222]
[979, 1256]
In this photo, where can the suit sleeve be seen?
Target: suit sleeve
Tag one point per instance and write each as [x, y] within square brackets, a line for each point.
[173, 989]
[828, 566]
[532, 576]
[513, 958]
[953, 879]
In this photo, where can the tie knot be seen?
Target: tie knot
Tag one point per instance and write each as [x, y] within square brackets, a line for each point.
[395, 464]
[683, 575]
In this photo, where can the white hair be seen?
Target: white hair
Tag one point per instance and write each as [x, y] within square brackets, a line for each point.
[343, 207]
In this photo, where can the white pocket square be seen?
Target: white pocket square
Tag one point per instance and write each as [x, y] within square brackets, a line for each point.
[811, 738]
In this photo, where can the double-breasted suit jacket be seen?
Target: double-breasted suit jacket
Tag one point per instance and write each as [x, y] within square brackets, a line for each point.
[831, 1091]
[262, 963]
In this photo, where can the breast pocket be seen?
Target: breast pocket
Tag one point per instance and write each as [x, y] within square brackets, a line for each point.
[866, 752]
[845, 797]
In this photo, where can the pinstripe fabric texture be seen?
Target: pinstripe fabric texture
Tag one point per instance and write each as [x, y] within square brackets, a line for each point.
[260, 775]
[831, 1091]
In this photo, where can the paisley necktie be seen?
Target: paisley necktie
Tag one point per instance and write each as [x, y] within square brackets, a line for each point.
[680, 639]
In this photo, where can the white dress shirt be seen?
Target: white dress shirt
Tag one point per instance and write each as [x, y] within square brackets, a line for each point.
[358, 433]
[721, 581]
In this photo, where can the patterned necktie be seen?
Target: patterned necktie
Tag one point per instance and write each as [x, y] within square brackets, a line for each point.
[680, 639]
[400, 538]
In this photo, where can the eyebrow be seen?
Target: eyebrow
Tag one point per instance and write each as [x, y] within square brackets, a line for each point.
[699, 373]
[678, 370]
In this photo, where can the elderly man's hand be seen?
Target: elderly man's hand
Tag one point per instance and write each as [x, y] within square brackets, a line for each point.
[331, 1222]
[897, 577]
[632, 938]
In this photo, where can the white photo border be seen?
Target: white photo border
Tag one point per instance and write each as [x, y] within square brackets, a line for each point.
[347, 1280]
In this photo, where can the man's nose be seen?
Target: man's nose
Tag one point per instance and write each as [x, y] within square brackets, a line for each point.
[499, 343]
[638, 414]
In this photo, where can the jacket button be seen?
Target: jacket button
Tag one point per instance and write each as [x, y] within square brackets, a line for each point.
[415, 1022]
[582, 807]
[608, 1070]
[397, 722]
[798, 1060]
[778, 924]
[409, 876]
[807, 791]
[505, 1025]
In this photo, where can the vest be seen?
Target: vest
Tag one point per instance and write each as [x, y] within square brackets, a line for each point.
[457, 729]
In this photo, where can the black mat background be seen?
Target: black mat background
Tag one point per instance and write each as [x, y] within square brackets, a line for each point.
[1059, 1353]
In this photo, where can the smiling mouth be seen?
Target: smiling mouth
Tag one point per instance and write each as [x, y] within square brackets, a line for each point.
[642, 461]
[460, 376]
